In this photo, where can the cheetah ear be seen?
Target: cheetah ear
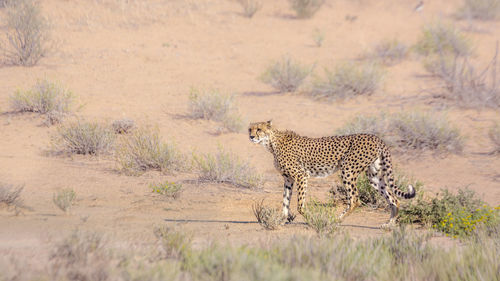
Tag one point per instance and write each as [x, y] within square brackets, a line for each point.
[269, 123]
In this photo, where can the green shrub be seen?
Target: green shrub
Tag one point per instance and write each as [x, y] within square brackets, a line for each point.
[389, 52]
[454, 214]
[441, 38]
[28, 33]
[144, 150]
[169, 189]
[82, 137]
[494, 135]
[347, 81]
[321, 217]
[305, 8]
[250, 7]
[64, 199]
[226, 167]
[46, 98]
[267, 217]
[479, 9]
[285, 75]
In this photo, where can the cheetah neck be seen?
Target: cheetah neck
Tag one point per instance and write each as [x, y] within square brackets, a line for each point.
[276, 137]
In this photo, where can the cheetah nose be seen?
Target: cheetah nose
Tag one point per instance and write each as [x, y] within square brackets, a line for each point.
[251, 137]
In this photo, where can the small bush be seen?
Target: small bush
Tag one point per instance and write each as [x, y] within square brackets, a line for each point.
[10, 196]
[267, 217]
[210, 105]
[123, 126]
[479, 9]
[174, 244]
[64, 199]
[424, 131]
[46, 98]
[409, 131]
[231, 123]
[250, 7]
[305, 8]
[27, 33]
[494, 135]
[169, 189]
[285, 75]
[389, 52]
[321, 217]
[81, 256]
[318, 37]
[82, 137]
[439, 38]
[144, 150]
[454, 214]
[226, 167]
[464, 84]
[347, 81]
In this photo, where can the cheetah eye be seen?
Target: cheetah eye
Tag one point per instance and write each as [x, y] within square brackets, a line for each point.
[259, 130]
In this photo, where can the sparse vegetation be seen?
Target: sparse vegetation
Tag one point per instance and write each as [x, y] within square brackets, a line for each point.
[144, 150]
[479, 9]
[46, 98]
[318, 37]
[440, 38]
[168, 189]
[268, 217]
[347, 81]
[250, 7]
[64, 199]
[389, 52]
[27, 33]
[174, 244]
[226, 167]
[494, 135]
[123, 126]
[285, 75]
[464, 84]
[213, 105]
[321, 217]
[305, 8]
[454, 214]
[10, 196]
[83, 137]
[409, 131]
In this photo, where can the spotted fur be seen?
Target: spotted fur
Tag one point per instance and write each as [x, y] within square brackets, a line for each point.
[298, 158]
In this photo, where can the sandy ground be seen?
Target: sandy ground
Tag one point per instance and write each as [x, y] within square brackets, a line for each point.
[139, 59]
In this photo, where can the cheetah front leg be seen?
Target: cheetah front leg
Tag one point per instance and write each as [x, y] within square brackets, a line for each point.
[287, 195]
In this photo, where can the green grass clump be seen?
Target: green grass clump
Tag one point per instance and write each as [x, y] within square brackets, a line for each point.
[169, 189]
[347, 81]
[285, 75]
[46, 98]
[267, 217]
[454, 214]
[305, 8]
[226, 167]
[82, 137]
[479, 9]
[439, 38]
[144, 150]
[64, 199]
[321, 217]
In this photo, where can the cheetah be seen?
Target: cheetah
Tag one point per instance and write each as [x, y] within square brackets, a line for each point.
[298, 158]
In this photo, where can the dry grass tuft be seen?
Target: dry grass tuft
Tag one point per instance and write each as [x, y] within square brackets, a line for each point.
[347, 81]
[267, 217]
[226, 167]
[305, 8]
[10, 197]
[82, 137]
[285, 75]
[28, 33]
[494, 135]
[479, 9]
[123, 126]
[250, 7]
[321, 217]
[64, 199]
[388, 52]
[144, 150]
[440, 38]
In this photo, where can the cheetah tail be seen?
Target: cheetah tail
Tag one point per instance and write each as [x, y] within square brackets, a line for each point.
[406, 195]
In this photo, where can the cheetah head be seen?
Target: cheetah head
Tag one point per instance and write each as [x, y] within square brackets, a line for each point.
[259, 132]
